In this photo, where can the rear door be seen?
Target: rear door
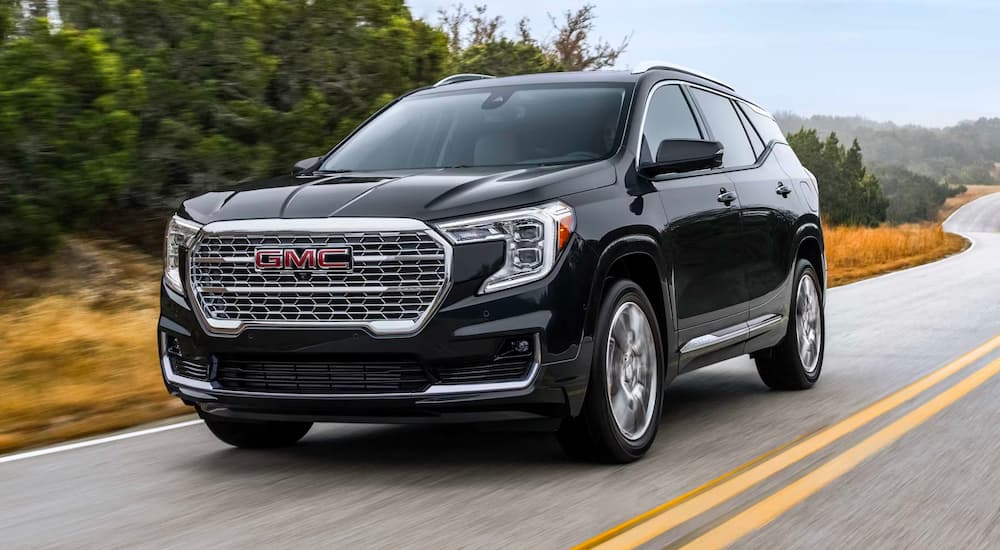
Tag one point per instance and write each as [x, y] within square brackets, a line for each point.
[770, 211]
[767, 220]
[703, 231]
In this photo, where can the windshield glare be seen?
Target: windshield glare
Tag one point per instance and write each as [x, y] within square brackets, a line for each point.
[502, 126]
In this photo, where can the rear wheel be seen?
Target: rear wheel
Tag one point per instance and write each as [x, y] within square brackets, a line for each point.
[257, 435]
[796, 362]
[621, 411]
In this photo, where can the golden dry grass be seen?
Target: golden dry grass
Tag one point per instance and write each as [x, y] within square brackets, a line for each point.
[82, 361]
[80, 353]
[855, 253]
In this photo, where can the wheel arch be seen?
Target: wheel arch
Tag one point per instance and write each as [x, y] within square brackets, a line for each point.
[809, 245]
[637, 257]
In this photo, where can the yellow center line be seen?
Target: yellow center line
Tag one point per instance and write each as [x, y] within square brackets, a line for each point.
[665, 517]
[768, 509]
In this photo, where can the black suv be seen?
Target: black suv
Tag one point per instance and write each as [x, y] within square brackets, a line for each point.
[556, 245]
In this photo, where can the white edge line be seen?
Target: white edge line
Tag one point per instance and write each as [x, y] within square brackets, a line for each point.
[93, 442]
[959, 209]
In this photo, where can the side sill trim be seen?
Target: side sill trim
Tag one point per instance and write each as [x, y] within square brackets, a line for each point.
[736, 333]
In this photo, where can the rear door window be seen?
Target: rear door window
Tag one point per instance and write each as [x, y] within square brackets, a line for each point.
[725, 125]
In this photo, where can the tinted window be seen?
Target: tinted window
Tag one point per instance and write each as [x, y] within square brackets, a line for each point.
[755, 141]
[726, 127]
[766, 127]
[505, 125]
[668, 117]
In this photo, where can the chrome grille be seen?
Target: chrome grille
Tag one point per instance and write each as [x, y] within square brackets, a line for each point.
[396, 279]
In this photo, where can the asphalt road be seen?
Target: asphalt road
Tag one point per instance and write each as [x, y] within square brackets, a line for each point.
[510, 486]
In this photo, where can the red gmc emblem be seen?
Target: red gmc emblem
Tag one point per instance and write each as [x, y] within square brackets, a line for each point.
[309, 259]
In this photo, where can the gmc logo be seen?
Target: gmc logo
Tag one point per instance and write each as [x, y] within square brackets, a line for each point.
[312, 259]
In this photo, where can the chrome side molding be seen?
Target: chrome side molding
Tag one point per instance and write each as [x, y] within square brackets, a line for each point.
[735, 333]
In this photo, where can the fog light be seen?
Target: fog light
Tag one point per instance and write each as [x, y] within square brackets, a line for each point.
[515, 347]
[173, 346]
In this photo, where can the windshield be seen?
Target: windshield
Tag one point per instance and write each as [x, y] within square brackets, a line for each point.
[502, 126]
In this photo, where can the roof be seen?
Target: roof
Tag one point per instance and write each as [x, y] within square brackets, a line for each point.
[652, 73]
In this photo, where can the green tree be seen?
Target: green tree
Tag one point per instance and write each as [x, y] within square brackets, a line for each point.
[849, 193]
[68, 135]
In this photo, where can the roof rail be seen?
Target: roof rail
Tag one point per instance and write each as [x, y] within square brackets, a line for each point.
[651, 65]
[464, 77]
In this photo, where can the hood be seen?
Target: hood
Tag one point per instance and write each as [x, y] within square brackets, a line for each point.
[428, 194]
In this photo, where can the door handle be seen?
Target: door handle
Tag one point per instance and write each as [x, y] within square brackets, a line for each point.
[726, 197]
[783, 190]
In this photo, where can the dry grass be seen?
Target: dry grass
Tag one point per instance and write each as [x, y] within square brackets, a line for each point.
[82, 361]
[972, 193]
[855, 253]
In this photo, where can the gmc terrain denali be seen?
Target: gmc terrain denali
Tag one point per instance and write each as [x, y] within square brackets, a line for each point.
[557, 245]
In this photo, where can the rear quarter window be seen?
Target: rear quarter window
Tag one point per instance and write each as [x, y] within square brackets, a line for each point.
[765, 125]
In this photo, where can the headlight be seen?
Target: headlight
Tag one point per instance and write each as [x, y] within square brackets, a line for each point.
[533, 238]
[180, 233]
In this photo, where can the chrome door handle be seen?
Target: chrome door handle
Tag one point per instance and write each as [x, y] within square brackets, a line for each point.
[726, 197]
[782, 190]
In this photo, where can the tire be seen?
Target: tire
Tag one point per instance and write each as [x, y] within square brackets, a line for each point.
[257, 435]
[597, 434]
[786, 366]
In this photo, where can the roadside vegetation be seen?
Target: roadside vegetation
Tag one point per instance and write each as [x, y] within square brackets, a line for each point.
[79, 344]
[854, 253]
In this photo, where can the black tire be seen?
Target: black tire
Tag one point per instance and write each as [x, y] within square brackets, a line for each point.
[256, 435]
[781, 366]
[594, 435]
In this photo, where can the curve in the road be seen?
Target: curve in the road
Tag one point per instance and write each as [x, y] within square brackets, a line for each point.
[979, 216]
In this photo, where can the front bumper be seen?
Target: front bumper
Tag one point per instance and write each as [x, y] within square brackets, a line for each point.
[466, 329]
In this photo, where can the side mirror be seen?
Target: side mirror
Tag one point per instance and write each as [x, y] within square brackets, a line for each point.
[305, 165]
[675, 156]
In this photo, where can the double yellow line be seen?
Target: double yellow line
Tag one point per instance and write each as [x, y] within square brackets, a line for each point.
[684, 508]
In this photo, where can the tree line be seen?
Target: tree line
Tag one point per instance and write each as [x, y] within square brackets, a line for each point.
[964, 154]
[133, 105]
[129, 106]
[852, 193]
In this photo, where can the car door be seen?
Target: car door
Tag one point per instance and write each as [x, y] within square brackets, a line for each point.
[702, 232]
[769, 212]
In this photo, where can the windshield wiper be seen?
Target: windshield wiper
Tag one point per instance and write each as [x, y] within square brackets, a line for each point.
[338, 171]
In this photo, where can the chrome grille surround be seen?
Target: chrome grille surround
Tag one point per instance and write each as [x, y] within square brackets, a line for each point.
[401, 273]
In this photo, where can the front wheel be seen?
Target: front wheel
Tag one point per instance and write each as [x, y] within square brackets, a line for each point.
[256, 435]
[621, 411]
[796, 362]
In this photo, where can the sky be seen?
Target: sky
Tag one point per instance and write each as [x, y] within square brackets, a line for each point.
[928, 62]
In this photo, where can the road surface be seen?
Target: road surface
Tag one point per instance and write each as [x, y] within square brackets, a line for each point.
[934, 485]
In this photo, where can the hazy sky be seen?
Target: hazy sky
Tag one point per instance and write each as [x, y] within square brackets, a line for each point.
[909, 61]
